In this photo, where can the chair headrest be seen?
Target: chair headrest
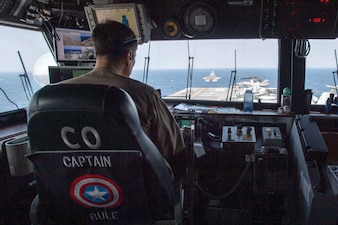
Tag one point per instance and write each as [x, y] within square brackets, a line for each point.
[85, 97]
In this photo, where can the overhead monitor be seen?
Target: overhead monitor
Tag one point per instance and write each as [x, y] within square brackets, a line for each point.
[130, 14]
[74, 45]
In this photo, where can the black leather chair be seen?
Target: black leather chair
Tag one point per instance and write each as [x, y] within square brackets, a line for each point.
[93, 162]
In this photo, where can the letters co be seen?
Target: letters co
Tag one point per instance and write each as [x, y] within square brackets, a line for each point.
[84, 132]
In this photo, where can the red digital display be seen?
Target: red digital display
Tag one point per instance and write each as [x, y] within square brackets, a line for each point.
[317, 20]
[300, 18]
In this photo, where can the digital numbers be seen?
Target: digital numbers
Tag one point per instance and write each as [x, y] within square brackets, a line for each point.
[317, 20]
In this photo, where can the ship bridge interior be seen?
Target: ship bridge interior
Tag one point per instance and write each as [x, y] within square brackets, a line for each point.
[265, 166]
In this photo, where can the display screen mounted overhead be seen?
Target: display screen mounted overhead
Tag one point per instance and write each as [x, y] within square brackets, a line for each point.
[130, 14]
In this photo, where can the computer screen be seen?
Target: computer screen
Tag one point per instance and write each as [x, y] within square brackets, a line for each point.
[60, 73]
[74, 45]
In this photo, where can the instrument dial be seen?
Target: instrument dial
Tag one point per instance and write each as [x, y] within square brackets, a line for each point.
[200, 19]
[171, 29]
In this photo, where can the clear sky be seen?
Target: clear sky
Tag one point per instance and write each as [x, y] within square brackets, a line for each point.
[165, 55]
[210, 53]
[31, 45]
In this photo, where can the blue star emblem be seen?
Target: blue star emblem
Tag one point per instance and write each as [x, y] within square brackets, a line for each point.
[97, 194]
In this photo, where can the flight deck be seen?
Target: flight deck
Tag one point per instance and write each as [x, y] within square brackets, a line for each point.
[264, 95]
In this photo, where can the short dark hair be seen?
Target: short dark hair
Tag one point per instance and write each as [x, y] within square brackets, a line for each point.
[114, 39]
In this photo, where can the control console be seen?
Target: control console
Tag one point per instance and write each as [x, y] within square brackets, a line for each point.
[272, 136]
[238, 134]
[271, 163]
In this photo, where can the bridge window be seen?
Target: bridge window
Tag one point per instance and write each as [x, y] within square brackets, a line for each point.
[321, 69]
[16, 77]
[210, 69]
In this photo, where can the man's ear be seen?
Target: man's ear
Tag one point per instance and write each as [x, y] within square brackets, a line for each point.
[127, 57]
[130, 55]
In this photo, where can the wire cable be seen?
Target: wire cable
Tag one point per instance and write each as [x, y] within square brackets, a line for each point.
[17, 107]
[61, 16]
[240, 179]
[302, 48]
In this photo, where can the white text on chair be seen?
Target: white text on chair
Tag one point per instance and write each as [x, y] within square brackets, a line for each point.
[84, 133]
[87, 161]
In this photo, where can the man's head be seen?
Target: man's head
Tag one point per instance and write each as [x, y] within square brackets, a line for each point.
[117, 42]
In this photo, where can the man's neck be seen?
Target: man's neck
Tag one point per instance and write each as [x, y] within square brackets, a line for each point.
[103, 62]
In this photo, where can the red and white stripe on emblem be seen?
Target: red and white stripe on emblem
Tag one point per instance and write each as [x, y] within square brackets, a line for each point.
[93, 190]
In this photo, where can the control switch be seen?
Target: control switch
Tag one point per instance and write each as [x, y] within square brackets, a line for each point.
[272, 136]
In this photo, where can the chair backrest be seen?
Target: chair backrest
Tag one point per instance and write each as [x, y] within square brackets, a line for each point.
[92, 187]
[76, 123]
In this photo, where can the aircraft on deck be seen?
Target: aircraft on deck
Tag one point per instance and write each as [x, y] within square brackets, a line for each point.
[212, 77]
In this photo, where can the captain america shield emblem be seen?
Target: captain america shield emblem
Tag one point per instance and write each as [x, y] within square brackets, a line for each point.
[92, 190]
